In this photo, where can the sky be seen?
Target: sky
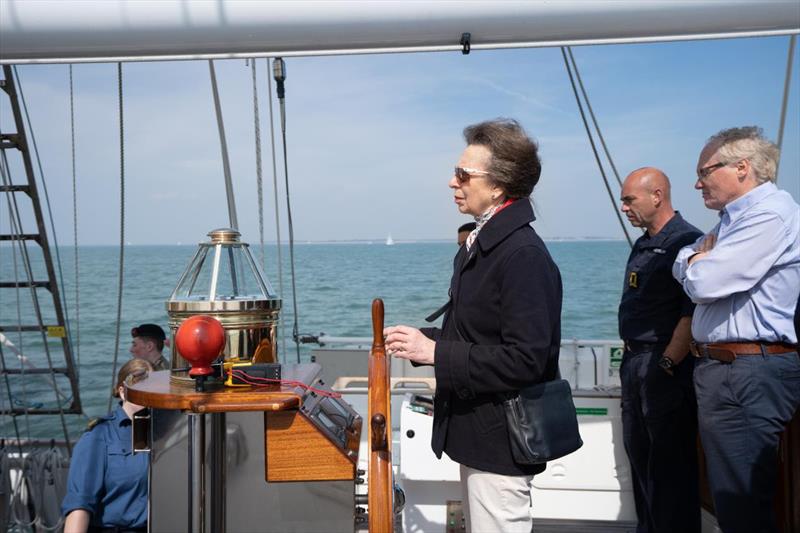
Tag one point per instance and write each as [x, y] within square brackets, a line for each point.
[372, 139]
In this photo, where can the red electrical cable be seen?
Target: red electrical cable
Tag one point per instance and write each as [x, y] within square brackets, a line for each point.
[257, 381]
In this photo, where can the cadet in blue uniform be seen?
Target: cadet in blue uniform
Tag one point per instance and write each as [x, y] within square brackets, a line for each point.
[744, 276]
[107, 484]
[658, 405]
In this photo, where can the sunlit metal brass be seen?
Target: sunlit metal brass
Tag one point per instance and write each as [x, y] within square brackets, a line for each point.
[225, 282]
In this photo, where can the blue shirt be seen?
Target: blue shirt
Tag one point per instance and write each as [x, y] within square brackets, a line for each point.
[652, 301]
[105, 478]
[746, 287]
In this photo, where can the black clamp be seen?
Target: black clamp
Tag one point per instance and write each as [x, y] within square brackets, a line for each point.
[465, 43]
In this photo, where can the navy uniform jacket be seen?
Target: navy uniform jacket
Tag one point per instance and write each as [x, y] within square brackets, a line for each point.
[105, 478]
[501, 334]
[652, 301]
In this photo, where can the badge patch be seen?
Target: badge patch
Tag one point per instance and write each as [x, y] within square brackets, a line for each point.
[633, 280]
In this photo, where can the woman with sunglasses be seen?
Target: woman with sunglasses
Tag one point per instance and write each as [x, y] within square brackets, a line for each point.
[107, 484]
[502, 328]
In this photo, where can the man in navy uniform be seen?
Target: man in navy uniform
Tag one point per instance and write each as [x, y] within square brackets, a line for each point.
[658, 405]
[744, 276]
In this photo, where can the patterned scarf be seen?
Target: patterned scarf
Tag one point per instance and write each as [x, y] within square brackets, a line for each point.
[482, 219]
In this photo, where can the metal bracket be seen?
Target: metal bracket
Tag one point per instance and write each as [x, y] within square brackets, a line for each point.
[465, 43]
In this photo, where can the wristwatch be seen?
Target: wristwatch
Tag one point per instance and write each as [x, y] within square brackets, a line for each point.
[666, 363]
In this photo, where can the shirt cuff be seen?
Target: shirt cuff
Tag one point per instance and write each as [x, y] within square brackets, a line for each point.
[682, 263]
[73, 501]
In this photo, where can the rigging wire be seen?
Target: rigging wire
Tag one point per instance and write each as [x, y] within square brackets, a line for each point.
[276, 204]
[226, 165]
[7, 181]
[279, 70]
[62, 297]
[75, 229]
[15, 226]
[259, 172]
[594, 148]
[786, 83]
[27, 262]
[591, 114]
[121, 230]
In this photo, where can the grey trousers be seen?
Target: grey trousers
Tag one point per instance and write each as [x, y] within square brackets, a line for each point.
[743, 407]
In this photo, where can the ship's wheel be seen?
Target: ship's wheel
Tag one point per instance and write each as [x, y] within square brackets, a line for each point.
[380, 481]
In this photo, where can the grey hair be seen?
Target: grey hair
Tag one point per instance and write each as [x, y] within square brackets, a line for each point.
[748, 142]
[515, 166]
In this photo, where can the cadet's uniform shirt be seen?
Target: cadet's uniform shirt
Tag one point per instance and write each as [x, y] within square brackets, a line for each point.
[105, 478]
[161, 364]
[652, 301]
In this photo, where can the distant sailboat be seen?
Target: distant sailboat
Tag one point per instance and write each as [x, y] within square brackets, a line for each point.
[389, 240]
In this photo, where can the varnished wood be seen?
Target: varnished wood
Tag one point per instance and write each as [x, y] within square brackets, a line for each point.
[378, 425]
[297, 451]
[159, 392]
[381, 489]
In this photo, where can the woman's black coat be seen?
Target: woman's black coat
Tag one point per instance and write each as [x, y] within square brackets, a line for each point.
[501, 334]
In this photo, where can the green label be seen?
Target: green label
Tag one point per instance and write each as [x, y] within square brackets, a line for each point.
[592, 411]
[615, 357]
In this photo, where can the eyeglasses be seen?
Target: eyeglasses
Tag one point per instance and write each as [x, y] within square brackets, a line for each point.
[705, 172]
[463, 174]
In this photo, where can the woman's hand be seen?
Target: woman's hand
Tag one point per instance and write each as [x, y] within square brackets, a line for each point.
[409, 343]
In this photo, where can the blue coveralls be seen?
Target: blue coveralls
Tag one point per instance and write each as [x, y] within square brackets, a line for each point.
[659, 414]
[106, 479]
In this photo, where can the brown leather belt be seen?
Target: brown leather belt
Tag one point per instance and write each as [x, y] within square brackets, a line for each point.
[727, 351]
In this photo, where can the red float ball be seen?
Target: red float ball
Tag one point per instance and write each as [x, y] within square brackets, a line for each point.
[199, 340]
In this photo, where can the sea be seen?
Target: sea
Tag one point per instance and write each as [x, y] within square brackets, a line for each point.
[335, 285]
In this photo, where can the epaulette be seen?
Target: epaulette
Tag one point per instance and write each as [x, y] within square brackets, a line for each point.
[95, 420]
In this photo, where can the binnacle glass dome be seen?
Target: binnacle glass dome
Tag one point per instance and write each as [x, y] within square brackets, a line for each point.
[224, 282]
[223, 270]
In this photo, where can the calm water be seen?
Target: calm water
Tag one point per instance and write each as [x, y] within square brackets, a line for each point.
[335, 287]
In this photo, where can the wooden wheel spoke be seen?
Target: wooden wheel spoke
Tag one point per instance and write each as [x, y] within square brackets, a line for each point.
[380, 485]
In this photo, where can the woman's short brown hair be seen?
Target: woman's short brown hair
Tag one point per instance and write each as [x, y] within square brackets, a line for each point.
[515, 166]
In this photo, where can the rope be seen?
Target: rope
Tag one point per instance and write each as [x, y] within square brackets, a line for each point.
[259, 173]
[226, 165]
[594, 149]
[786, 83]
[121, 230]
[75, 229]
[591, 114]
[276, 204]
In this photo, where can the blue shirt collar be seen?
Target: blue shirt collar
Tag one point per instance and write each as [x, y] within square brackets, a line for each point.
[736, 208]
[119, 416]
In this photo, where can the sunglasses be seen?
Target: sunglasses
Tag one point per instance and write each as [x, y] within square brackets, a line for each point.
[705, 172]
[463, 174]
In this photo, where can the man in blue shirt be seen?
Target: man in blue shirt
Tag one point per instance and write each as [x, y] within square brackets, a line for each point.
[658, 408]
[744, 276]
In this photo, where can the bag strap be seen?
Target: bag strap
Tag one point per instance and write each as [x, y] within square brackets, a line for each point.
[439, 312]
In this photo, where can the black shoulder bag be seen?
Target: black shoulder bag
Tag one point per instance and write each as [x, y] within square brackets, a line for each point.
[542, 423]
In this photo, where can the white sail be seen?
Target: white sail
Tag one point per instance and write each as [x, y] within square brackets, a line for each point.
[47, 31]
